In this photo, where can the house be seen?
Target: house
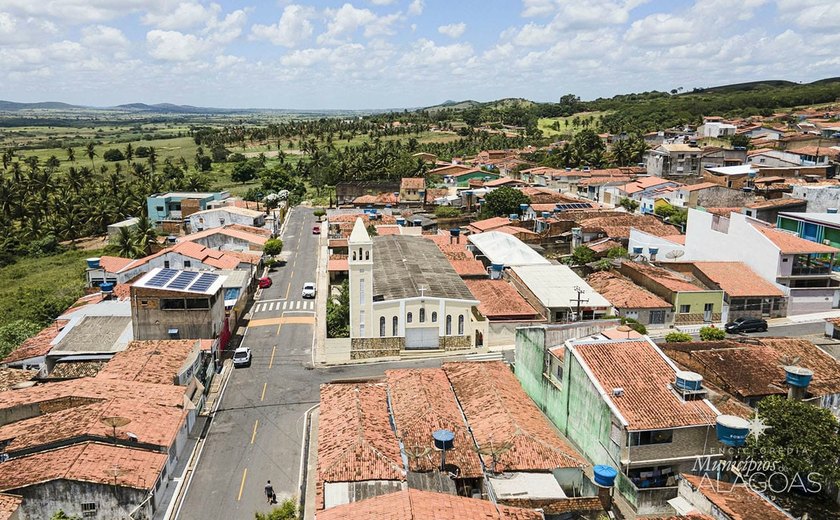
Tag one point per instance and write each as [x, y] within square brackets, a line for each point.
[673, 160]
[10, 507]
[427, 158]
[620, 402]
[489, 224]
[724, 500]
[173, 304]
[347, 192]
[822, 228]
[505, 181]
[405, 295]
[178, 205]
[636, 189]
[500, 301]
[220, 217]
[462, 178]
[800, 268]
[707, 194]
[450, 170]
[768, 210]
[630, 300]
[746, 294]
[504, 250]
[691, 300]
[230, 238]
[653, 248]
[454, 247]
[755, 370]
[412, 189]
[414, 503]
[716, 157]
[730, 176]
[617, 225]
[821, 198]
[716, 129]
[558, 293]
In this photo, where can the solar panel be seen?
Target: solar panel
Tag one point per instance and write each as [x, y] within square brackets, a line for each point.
[160, 279]
[204, 282]
[182, 280]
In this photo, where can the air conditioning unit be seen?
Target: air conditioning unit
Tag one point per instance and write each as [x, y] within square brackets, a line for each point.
[827, 242]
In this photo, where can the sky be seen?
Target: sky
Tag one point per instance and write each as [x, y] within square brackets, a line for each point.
[366, 54]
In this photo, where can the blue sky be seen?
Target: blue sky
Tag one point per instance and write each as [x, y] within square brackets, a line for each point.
[401, 53]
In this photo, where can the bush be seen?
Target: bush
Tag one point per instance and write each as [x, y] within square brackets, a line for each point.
[319, 213]
[273, 246]
[287, 510]
[236, 157]
[113, 155]
[677, 337]
[712, 334]
[447, 212]
[634, 324]
[14, 333]
[142, 151]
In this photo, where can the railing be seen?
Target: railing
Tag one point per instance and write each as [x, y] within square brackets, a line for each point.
[804, 270]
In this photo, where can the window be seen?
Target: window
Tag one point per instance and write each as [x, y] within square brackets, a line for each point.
[382, 327]
[166, 264]
[409, 318]
[172, 304]
[395, 326]
[367, 255]
[422, 315]
[88, 508]
[361, 324]
[448, 325]
[354, 255]
[198, 303]
[651, 437]
[362, 290]
[434, 317]
[709, 307]
[159, 209]
[461, 325]
[187, 264]
[685, 309]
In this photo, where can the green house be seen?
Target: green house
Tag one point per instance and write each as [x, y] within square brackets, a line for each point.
[822, 228]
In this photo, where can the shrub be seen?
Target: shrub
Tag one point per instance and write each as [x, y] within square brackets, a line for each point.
[113, 155]
[319, 213]
[712, 334]
[677, 337]
[634, 324]
[447, 212]
[273, 246]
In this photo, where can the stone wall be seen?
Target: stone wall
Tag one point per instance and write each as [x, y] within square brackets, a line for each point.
[695, 318]
[366, 348]
[455, 342]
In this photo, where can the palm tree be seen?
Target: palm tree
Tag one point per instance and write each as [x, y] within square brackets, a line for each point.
[146, 235]
[124, 244]
[152, 158]
[71, 154]
[91, 153]
[129, 153]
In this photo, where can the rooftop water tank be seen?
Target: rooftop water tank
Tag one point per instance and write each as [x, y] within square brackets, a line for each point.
[417, 222]
[496, 271]
[400, 221]
[604, 475]
[798, 377]
[546, 214]
[106, 287]
[523, 207]
[513, 216]
[689, 381]
[831, 210]
[444, 439]
[93, 263]
[388, 206]
[732, 430]
[454, 232]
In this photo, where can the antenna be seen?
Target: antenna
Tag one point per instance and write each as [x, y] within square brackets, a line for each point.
[114, 423]
[625, 328]
[494, 450]
[674, 254]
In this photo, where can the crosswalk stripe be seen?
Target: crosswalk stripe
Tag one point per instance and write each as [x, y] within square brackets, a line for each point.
[259, 307]
[271, 307]
[310, 305]
[298, 305]
[284, 305]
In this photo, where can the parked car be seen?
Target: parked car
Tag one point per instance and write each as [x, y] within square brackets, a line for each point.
[746, 325]
[316, 229]
[242, 357]
[265, 282]
[308, 290]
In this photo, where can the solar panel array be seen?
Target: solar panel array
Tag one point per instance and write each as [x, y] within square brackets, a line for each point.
[573, 205]
[162, 278]
[182, 280]
[204, 282]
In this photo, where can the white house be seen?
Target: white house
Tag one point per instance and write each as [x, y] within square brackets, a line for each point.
[218, 217]
[655, 248]
[557, 292]
[405, 295]
[716, 129]
[801, 268]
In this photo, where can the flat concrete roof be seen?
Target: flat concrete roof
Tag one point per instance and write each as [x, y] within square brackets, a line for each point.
[102, 334]
[402, 265]
[554, 285]
[526, 485]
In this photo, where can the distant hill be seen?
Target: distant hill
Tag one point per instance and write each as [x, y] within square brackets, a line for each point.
[169, 108]
[752, 85]
[470, 103]
[11, 106]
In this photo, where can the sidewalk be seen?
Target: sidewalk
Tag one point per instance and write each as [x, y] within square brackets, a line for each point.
[803, 318]
[309, 494]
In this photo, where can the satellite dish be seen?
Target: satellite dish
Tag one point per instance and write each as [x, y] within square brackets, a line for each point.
[674, 254]
[114, 423]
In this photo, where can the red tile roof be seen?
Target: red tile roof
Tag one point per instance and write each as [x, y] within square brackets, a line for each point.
[603, 246]
[643, 183]
[388, 229]
[503, 418]
[736, 501]
[338, 264]
[412, 183]
[233, 232]
[249, 229]
[9, 377]
[500, 300]
[422, 402]
[776, 203]
[737, 279]
[623, 293]
[461, 259]
[642, 371]
[671, 280]
[88, 462]
[504, 181]
[617, 225]
[699, 186]
[382, 198]
[790, 244]
[355, 439]
[113, 264]
[515, 230]
[413, 504]
[9, 505]
[677, 239]
[488, 224]
[151, 361]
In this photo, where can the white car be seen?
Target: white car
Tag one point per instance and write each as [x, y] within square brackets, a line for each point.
[242, 357]
[308, 290]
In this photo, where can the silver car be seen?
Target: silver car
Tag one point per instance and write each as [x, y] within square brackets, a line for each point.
[308, 290]
[242, 357]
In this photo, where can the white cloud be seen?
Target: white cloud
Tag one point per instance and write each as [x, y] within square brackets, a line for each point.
[175, 45]
[382, 2]
[428, 53]
[226, 61]
[345, 21]
[28, 29]
[103, 36]
[811, 14]
[186, 15]
[293, 28]
[453, 30]
[533, 8]
[83, 11]
[660, 30]
[415, 8]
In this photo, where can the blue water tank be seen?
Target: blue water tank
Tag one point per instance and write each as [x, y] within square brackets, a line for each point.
[689, 381]
[523, 207]
[106, 287]
[513, 216]
[400, 221]
[605, 475]
[732, 430]
[444, 439]
[417, 222]
[387, 205]
[798, 377]
[454, 232]
[93, 263]
[497, 267]
[546, 214]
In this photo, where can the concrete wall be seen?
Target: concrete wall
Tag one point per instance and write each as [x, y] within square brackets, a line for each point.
[820, 198]
[811, 300]
[221, 217]
[337, 350]
[151, 322]
[42, 501]
[366, 348]
[697, 301]
[647, 241]
[227, 243]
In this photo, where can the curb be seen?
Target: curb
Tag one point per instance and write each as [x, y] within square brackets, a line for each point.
[304, 459]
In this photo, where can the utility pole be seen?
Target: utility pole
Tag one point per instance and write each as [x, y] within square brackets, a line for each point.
[579, 300]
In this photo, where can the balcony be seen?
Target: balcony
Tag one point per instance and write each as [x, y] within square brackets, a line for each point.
[811, 265]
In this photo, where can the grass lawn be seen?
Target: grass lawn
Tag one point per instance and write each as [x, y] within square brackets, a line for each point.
[38, 288]
[546, 124]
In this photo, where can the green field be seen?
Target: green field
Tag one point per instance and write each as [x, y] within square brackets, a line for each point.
[566, 124]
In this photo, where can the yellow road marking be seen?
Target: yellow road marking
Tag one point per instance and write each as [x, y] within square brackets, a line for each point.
[273, 350]
[242, 485]
[262, 396]
[289, 288]
[254, 435]
[285, 320]
[293, 274]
